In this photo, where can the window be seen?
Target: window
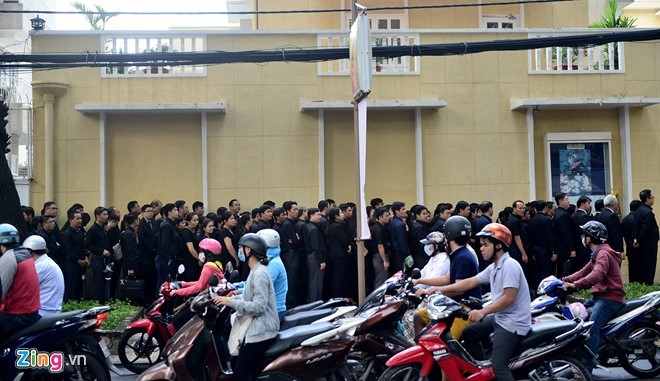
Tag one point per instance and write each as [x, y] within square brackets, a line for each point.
[509, 21]
[384, 21]
[579, 164]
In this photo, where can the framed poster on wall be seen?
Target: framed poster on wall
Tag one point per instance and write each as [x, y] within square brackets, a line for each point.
[578, 164]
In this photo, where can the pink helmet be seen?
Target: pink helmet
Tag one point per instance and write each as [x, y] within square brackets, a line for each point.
[211, 245]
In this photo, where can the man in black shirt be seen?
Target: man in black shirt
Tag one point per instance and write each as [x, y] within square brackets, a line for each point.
[581, 216]
[147, 230]
[419, 231]
[316, 255]
[290, 245]
[632, 253]
[279, 216]
[564, 233]
[97, 244]
[74, 261]
[167, 244]
[646, 237]
[52, 239]
[540, 239]
[380, 244]
[517, 250]
[609, 217]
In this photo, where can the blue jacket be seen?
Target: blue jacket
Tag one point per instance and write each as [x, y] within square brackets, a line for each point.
[278, 276]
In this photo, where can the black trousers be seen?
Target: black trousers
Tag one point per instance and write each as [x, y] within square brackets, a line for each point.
[505, 344]
[72, 279]
[97, 265]
[634, 264]
[10, 324]
[544, 265]
[250, 356]
[292, 265]
[648, 253]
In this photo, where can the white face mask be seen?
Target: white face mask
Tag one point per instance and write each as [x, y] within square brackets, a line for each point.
[428, 249]
[202, 257]
[584, 241]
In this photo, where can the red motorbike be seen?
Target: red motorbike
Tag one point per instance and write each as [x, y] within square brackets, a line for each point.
[550, 351]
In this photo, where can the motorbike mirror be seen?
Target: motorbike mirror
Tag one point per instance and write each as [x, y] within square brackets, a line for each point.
[408, 265]
[229, 267]
[234, 276]
[214, 281]
[181, 269]
[416, 274]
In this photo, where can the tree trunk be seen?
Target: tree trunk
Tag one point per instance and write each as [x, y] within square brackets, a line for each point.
[10, 203]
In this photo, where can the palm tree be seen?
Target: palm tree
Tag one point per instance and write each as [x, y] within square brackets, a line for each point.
[10, 204]
[96, 20]
[613, 18]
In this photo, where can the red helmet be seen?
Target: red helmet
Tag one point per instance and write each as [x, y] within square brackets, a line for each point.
[498, 232]
[211, 245]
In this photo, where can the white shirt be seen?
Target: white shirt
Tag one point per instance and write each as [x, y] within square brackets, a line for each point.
[437, 266]
[51, 285]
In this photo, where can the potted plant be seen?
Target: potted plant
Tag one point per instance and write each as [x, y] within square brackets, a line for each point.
[154, 69]
[379, 60]
[564, 58]
[612, 18]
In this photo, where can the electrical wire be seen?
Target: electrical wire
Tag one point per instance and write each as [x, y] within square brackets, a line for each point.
[95, 59]
[266, 12]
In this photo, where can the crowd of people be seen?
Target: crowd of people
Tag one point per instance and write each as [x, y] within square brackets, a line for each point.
[318, 244]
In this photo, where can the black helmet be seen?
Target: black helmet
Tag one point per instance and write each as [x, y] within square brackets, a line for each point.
[595, 230]
[457, 226]
[254, 242]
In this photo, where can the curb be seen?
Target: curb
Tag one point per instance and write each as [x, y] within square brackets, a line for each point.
[113, 336]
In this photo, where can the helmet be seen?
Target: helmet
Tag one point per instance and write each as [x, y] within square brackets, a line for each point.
[596, 230]
[211, 245]
[457, 226]
[271, 236]
[498, 232]
[434, 237]
[8, 234]
[254, 242]
[34, 243]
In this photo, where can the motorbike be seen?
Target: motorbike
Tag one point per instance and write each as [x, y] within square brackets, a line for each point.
[198, 351]
[550, 351]
[320, 305]
[68, 344]
[630, 339]
[380, 336]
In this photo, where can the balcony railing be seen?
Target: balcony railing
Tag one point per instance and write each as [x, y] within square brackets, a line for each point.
[381, 66]
[153, 44]
[601, 59]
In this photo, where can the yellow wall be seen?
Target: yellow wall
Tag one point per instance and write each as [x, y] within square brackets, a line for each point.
[646, 18]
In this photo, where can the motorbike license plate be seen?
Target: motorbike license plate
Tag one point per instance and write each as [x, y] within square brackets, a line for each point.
[104, 348]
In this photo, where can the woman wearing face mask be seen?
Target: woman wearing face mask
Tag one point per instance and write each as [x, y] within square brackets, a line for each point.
[259, 302]
[436, 267]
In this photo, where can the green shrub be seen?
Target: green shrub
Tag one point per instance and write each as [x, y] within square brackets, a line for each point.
[633, 290]
[122, 310]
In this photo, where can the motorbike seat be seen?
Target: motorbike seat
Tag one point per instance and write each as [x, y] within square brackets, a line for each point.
[305, 317]
[304, 307]
[41, 324]
[629, 306]
[545, 331]
[293, 337]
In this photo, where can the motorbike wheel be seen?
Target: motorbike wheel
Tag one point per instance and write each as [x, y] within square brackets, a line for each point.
[644, 362]
[402, 373]
[138, 351]
[563, 368]
[92, 369]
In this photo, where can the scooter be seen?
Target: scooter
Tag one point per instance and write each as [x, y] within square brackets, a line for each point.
[198, 351]
[549, 351]
[630, 339]
[67, 344]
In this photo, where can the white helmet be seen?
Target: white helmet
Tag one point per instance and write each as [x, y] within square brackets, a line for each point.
[34, 243]
[271, 237]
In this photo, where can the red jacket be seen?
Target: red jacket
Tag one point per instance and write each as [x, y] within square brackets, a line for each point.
[21, 296]
[192, 288]
[603, 273]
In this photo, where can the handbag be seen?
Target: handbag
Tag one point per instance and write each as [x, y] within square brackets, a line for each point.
[131, 289]
[238, 332]
[116, 249]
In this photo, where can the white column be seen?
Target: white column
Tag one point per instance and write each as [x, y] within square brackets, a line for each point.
[102, 185]
[419, 157]
[205, 166]
[321, 122]
[530, 159]
[626, 159]
[49, 149]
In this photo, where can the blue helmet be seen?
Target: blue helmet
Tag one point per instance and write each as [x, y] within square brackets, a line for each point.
[8, 235]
